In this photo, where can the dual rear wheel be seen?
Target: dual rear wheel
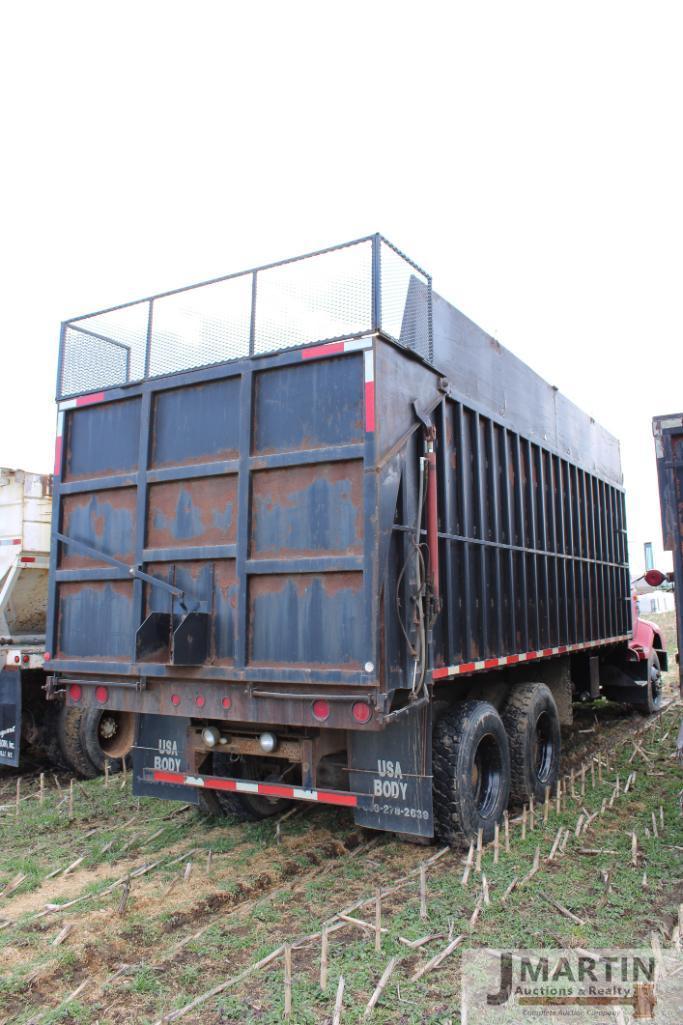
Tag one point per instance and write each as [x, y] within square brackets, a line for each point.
[481, 759]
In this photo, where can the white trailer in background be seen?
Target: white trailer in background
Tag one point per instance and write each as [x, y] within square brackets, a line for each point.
[27, 719]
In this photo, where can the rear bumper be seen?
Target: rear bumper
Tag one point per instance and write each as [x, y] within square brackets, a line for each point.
[235, 704]
[244, 786]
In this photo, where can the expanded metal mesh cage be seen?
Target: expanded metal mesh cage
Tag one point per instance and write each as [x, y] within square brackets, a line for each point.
[344, 292]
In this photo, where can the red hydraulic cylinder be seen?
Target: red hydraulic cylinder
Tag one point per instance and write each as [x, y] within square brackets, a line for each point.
[432, 520]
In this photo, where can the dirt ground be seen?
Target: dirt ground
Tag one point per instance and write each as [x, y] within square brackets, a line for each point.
[116, 910]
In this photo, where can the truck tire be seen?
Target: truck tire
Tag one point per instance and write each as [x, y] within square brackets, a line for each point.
[471, 771]
[532, 724]
[107, 734]
[244, 807]
[71, 746]
[652, 694]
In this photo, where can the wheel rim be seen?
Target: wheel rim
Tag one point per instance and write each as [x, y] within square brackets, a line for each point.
[544, 743]
[115, 733]
[656, 684]
[486, 775]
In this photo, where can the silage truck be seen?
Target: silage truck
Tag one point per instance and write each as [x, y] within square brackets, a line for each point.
[329, 541]
[71, 737]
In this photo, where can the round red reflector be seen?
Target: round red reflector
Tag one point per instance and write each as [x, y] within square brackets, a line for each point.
[101, 693]
[24, 659]
[175, 699]
[75, 692]
[200, 701]
[47, 656]
[321, 710]
[361, 711]
[226, 702]
[16, 658]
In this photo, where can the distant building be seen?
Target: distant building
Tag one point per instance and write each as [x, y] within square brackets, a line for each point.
[656, 601]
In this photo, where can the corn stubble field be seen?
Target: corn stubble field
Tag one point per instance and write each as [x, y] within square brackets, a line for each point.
[116, 910]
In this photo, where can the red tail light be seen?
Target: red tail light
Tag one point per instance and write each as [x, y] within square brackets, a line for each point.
[101, 693]
[321, 710]
[226, 702]
[75, 692]
[175, 699]
[361, 712]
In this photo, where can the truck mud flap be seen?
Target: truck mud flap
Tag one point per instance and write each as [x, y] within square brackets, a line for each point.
[391, 771]
[10, 717]
[161, 746]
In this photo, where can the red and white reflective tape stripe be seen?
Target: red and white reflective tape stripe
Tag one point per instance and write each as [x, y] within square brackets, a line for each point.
[527, 656]
[369, 375]
[83, 400]
[363, 345]
[241, 786]
[10, 541]
[335, 348]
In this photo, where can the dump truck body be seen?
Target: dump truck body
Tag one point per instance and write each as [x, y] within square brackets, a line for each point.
[312, 542]
[25, 513]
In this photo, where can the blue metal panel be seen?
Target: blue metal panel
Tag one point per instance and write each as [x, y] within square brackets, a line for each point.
[309, 405]
[310, 619]
[95, 619]
[102, 439]
[196, 423]
[308, 509]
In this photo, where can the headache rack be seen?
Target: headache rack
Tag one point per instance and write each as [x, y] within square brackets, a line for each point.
[347, 291]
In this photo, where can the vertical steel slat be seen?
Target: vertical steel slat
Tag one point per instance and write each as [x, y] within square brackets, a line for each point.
[508, 514]
[243, 519]
[447, 497]
[465, 485]
[532, 487]
[553, 467]
[521, 520]
[614, 559]
[569, 549]
[146, 408]
[582, 597]
[494, 499]
[544, 545]
[599, 566]
[481, 517]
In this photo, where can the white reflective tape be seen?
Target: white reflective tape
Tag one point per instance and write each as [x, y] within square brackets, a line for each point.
[247, 788]
[305, 795]
[67, 404]
[194, 781]
[356, 344]
[369, 366]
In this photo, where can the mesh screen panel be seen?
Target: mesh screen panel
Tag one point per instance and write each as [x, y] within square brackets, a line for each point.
[327, 295]
[405, 301]
[200, 326]
[324, 296]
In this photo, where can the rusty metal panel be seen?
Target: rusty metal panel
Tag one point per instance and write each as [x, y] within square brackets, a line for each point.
[104, 520]
[102, 439]
[213, 583]
[95, 619]
[311, 618]
[201, 511]
[309, 405]
[196, 424]
[308, 510]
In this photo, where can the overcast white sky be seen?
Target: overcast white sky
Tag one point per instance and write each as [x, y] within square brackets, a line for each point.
[529, 155]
